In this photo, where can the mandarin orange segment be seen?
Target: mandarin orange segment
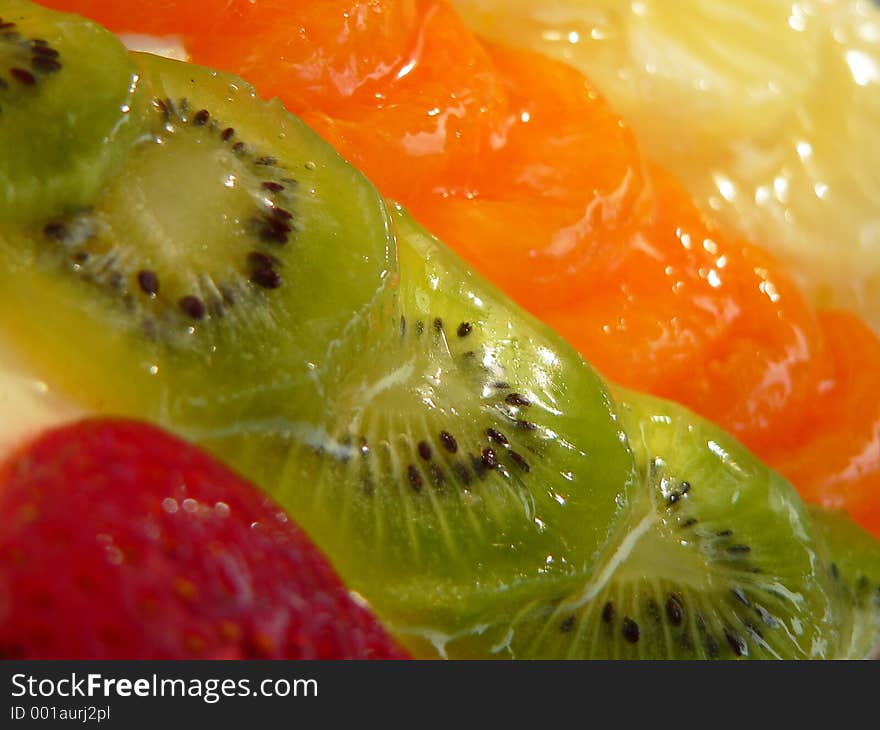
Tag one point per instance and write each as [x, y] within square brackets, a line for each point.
[837, 460]
[322, 52]
[560, 141]
[159, 17]
[408, 73]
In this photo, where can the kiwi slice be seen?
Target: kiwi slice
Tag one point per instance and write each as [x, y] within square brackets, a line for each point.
[210, 277]
[464, 469]
[854, 565]
[66, 99]
[718, 559]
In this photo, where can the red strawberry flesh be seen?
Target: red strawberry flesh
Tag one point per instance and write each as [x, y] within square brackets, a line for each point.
[119, 541]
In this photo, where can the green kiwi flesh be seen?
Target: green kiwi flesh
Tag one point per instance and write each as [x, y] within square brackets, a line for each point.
[66, 118]
[717, 560]
[854, 566]
[468, 457]
[463, 468]
[176, 322]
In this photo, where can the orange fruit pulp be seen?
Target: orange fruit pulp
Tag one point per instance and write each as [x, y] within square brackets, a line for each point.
[516, 162]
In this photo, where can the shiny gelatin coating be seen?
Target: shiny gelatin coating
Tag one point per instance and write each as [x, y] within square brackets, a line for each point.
[463, 468]
[519, 164]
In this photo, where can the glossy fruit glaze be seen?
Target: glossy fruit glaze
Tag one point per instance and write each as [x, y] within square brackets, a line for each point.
[517, 162]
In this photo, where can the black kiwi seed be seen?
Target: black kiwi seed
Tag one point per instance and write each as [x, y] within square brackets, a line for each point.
[631, 631]
[689, 522]
[148, 282]
[724, 533]
[736, 643]
[262, 270]
[42, 49]
[415, 478]
[438, 324]
[500, 385]
[835, 571]
[674, 610]
[741, 597]
[45, 64]
[192, 306]
[464, 329]
[709, 641]
[23, 76]
[273, 187]
[201, 117]
[526, 425]
[281, 214]
[608, 612]
[497, 436]
[518, 459]
[567, 625]
[266, 161]
[274, 230]
[738, 549]
[238, 147]
[489, 458]
[424, 450]
[768, 618]
[754, 630]
[227, 134]
[259, 260]
[449, 442]
[266, 278]
[515, 399]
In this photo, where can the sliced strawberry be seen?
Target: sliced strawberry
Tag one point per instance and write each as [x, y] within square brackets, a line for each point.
[118, 540]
